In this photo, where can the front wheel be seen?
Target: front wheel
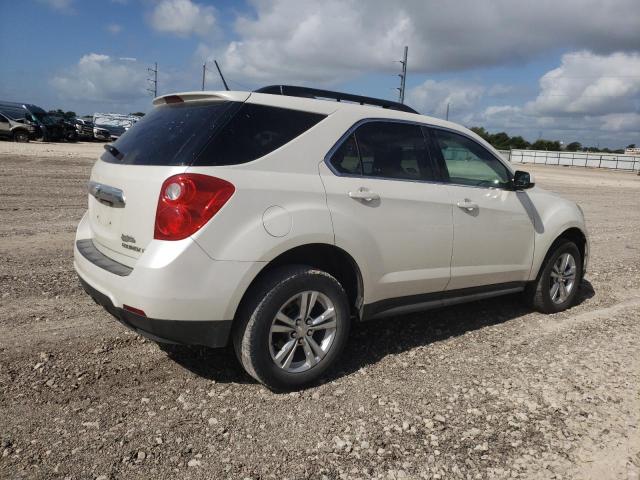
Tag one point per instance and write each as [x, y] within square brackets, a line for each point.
[292, 328]
[557, 284]
[21, 136]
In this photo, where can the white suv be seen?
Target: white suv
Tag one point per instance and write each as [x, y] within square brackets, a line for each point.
[274, 219]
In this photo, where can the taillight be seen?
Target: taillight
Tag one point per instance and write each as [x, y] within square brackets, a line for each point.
[188, 201]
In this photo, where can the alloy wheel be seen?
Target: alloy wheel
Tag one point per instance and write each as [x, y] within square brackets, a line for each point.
[303, 331]
[563, 278]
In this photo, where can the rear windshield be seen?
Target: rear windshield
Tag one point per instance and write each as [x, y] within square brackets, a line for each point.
[208, 134]
[168, 135]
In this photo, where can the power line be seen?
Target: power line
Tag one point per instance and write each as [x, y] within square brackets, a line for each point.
[153, 81]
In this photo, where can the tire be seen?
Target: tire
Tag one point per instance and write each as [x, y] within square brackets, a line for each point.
[20, 136]
[262, 342]
[71, 137]
[539, 294]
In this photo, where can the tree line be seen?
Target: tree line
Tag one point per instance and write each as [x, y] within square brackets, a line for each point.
[502, 141]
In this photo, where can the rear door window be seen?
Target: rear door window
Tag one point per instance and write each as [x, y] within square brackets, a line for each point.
[253, 132]
[391, 150]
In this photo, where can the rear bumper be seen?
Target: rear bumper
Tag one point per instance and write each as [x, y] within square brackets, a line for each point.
[186, 296]
[184, 332]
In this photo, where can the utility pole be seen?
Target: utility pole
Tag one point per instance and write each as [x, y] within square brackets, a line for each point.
[447, 118]
[403, 75]
[153, 81]
[204, 73]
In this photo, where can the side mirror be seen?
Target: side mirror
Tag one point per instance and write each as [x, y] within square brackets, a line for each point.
[522, 180]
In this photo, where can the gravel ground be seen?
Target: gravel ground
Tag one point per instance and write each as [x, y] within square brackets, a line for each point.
[484, 390]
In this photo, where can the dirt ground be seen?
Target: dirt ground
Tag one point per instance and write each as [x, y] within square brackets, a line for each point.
[483, 390]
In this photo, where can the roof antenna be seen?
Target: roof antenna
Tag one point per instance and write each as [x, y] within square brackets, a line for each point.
[224, 82]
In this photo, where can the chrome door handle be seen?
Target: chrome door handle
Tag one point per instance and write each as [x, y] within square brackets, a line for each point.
[468, 205]
[107, 195]
[364, 194]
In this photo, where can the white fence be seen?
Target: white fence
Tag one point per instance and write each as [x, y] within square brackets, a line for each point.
[573, 159]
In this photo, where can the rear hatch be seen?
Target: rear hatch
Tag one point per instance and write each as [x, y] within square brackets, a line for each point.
[125, 183]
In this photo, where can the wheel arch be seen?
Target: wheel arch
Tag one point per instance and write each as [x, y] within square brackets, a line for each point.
[329, 258]
[17, 130]
[574, 234]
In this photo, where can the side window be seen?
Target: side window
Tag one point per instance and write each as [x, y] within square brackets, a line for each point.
[253, 132]
[393, 150]
[468, 163]
[346, 159]
[3, 119]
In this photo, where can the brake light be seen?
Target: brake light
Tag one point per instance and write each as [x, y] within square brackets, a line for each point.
[187, 201]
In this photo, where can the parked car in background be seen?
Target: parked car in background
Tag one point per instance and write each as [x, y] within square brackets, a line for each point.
[116, 124]
[69, 132]
[88, 131]
[46, 126]
[84, 127]
[16, 130]
[275, 219]
[101, 134]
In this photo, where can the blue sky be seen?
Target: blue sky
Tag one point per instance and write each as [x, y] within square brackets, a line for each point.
[568, 71]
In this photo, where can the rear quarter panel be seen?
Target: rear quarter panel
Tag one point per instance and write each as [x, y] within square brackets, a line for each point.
[287, 178]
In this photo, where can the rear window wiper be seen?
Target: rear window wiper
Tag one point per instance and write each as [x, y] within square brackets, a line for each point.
[114, 151]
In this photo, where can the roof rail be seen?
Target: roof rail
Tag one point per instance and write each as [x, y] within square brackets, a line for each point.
[306, 92]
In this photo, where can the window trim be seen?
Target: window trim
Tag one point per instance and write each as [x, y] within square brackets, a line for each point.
[435, 156]
[352, 130]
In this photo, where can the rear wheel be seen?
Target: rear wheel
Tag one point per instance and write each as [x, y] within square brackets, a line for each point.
[20, 136]
[556, 287]
[293, 327]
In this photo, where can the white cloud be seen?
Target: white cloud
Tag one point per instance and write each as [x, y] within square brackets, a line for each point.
[590, 84]
[101, 78]
[590, 98]
[334, 40]
[621, 122]
[431, 97]
[498, 110]
[183, 18]
[114, 28]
